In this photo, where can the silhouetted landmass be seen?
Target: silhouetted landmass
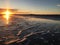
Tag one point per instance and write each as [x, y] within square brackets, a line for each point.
[45, 16]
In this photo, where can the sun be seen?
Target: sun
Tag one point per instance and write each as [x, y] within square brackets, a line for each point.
[7, 15]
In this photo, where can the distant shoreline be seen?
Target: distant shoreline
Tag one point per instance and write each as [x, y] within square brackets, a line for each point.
[48, 16]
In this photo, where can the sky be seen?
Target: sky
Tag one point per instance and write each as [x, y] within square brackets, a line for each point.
[33, 6]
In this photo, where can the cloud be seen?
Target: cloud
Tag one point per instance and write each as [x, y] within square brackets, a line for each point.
[58, 5]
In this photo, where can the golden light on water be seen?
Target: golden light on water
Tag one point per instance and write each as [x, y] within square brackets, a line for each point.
[7, 15]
